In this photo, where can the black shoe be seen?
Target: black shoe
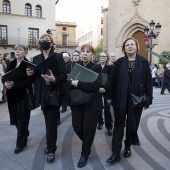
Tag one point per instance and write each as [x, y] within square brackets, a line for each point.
[58, 122]
[82, 162]
[63, 110]
[127, 152]
[113, 159]
[50, 157]
[100, 126]
[45, 151]
[109, 132]
[18, 150]
[162, 93]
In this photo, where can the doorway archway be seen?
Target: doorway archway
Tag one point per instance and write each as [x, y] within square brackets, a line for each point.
[139, 35]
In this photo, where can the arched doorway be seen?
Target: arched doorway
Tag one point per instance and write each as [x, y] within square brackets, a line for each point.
[139, 35]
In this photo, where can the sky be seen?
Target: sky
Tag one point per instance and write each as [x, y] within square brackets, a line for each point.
[68, 10]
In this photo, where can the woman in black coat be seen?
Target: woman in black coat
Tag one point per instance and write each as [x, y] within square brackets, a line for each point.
[17, 100]
[104, 67]
[43, 83]
[85, 117]
[131, 74]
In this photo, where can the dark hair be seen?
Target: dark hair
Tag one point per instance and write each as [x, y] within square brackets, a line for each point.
[130, 38]
[4, 55]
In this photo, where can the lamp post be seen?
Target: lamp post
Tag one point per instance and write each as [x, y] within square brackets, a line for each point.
[49, 32]
[149, 33]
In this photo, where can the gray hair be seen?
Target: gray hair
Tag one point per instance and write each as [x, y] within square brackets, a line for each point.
[22, 46]
[168, 65]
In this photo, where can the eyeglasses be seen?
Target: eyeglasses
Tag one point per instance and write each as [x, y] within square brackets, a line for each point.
[75, 55]
[103, 56]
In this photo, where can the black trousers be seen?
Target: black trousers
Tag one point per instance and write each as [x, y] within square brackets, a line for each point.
[84, 124]
[22, 124]
[118, 132]
[165, 85]
[50, 115]
[107, 114]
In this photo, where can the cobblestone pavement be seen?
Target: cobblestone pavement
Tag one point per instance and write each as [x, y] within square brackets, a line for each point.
[154, 134]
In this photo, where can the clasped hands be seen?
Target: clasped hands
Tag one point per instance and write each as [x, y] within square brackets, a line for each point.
[47, 78]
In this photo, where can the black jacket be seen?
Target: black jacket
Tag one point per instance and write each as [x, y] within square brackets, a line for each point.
[92, 87]
[17, 95]
[167, 76]
[40, 87]
[107, 70]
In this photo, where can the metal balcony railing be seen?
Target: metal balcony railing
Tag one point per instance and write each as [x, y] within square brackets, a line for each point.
[12, 41]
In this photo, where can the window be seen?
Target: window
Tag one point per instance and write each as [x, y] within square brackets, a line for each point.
[64, 28]
[64, 39]
[33, 35]
[3, 34]
[6, 7]
[27, 9]
[38, 11]
[101, 31]
[101, 20]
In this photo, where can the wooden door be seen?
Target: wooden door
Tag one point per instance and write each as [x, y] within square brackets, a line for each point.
[139, 36]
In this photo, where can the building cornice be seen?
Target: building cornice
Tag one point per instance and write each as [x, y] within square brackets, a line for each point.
[17, 15]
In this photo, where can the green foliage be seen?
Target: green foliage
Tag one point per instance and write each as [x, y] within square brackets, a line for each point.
[98, 50]
[165, 54]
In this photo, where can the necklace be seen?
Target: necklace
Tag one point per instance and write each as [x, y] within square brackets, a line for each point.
[131, 65]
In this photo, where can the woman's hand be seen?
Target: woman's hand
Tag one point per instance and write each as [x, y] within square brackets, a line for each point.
[30, 71]
[74, 83]
[9, 84]
[48, 78]
[102, 90]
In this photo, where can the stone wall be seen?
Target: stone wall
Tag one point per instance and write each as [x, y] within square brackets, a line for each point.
[125, 17]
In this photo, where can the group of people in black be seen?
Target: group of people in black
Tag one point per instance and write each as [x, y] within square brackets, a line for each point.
[85, 118]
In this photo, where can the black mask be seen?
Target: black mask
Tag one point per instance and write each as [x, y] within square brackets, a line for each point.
[45, 45]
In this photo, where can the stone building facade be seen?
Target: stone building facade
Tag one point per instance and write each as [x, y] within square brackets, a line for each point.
[66, 37]
[128, 18]
[23, 22]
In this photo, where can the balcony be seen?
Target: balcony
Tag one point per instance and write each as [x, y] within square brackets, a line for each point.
[67, 44]
[12, 41]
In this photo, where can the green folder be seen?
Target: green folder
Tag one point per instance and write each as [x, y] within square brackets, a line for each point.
[81, 73]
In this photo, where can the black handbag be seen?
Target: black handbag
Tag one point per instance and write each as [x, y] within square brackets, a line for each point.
[30, 101]
[138, 100]
[79, 97]
[52, 97]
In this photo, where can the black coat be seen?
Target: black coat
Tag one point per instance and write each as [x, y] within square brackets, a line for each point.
[40, 87]
[119, 91]
[141, 82]
[167, 76]
[107, 69]
[17, 95]
[92, 87]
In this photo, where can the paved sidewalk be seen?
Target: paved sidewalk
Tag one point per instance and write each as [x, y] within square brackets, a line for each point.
[154, 134]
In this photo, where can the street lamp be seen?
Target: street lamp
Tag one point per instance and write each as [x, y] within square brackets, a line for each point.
[48, 32]
[150, 34]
